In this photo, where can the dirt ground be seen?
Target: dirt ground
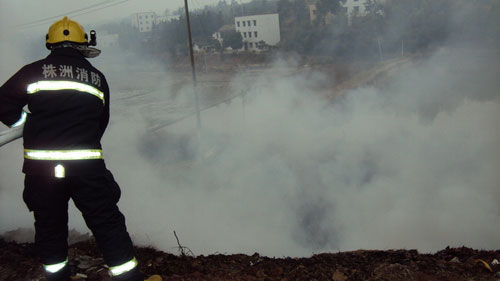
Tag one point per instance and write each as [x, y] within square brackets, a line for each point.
[19, 262]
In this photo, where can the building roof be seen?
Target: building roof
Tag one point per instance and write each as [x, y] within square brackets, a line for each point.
[226, 27]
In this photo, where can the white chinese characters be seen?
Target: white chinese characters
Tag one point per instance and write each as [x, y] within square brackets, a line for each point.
[66, 71]
[82, 74]
[96, 79]
[49, 71]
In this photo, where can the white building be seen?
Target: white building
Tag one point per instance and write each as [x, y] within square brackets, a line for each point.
[257, 28]
[218, 34]
[164, 18]
[144, 21]
[353, 8]
[357, 8]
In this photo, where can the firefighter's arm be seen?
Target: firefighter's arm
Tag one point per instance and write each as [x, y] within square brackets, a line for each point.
[13, 98]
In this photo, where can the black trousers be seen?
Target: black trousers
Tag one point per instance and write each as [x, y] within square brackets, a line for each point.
[96, 196]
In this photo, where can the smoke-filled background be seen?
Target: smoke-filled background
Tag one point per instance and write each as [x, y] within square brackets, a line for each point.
[410, 163]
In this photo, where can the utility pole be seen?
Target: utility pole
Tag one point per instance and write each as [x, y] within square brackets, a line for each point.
[379, 48]
[196, 99]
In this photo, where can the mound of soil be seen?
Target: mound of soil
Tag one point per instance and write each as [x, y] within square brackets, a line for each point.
[19, 262]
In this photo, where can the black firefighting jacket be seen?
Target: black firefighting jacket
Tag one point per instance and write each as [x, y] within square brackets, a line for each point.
[68, 110]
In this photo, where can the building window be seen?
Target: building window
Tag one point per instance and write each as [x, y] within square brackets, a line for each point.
[356, 9]
[244, 34]
[254, 22]
[251, 45]
[249, 23]
[255, 33]
[250, 34]
[238, 23]
[244, 22]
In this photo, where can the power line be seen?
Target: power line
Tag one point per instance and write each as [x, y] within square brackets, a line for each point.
[74, 13]
[64, 14]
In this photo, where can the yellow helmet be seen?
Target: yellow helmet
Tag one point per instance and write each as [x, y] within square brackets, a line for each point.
[65, 30]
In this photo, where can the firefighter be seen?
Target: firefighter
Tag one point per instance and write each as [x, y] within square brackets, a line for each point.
[63, 103]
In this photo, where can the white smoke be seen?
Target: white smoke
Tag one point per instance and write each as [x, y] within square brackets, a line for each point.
[412, 165]
[13, 212]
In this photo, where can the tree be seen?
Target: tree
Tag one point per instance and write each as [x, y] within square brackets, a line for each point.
[236, 9]
[325, 7]
[204, 24]
[300, 12]
[419, 23]
[373, 7]
[232, 39]
[216, 45]
[284, 10]
[479, 21]
[262, 45]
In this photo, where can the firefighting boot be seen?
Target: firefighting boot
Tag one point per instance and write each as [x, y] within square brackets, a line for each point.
[131, 275]
[61, 275]
[154, 278]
